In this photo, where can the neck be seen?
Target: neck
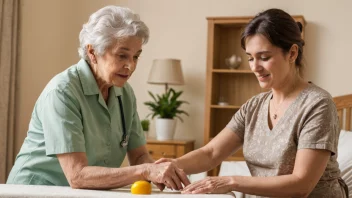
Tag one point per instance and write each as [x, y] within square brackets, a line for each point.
[102, 85]
[104, 89]
[289, 88]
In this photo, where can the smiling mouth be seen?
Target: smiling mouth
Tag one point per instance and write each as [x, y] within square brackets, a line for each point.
[263, 76]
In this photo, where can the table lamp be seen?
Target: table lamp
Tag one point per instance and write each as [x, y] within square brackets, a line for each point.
[166, 71]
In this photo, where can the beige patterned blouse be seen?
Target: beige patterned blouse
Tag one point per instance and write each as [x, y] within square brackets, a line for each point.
[309, 122]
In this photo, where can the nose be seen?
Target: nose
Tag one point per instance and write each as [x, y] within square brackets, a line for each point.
[127, 66]
[130, 64]
[255, 65]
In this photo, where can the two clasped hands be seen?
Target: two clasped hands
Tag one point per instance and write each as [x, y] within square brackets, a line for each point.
[171, 176]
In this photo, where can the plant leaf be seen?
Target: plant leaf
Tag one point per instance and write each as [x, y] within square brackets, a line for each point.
[166, 105]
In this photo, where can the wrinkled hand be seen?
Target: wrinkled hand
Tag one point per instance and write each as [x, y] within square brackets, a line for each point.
[160, 186]
[214, 185]
[166, 173]
[161, 160]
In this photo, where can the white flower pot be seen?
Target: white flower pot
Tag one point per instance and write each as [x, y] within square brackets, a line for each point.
[146, 134]
[165, 128]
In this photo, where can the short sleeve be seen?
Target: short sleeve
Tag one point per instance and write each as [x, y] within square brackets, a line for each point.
[320, 129]
[136, 138]
[237, 122]
[62, 124]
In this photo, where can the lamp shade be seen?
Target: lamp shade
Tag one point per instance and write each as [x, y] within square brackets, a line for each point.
[166, 71]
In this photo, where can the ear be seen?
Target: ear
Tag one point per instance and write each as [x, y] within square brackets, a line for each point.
[293, 53]
[91, 54]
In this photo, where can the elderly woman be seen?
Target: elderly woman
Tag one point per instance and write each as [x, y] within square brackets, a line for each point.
[85, 120]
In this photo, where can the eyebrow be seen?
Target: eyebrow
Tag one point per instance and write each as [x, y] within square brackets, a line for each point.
[259, 53]
[127, 49]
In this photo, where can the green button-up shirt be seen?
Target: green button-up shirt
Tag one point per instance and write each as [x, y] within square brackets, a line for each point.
[71, 115]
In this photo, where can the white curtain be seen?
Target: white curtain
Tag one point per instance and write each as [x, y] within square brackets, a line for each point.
[9, 13]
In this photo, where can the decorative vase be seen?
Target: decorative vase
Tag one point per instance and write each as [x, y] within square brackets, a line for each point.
[165, 128]
[233, 62]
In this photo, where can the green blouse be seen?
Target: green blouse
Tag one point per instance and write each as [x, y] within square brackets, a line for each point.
[71, 115]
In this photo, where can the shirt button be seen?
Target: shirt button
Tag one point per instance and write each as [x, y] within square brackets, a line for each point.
[106, 161]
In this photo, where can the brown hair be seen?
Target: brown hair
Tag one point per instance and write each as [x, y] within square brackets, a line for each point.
[280, 29]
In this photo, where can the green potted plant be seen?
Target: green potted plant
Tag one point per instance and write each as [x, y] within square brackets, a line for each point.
[145, 126]
[166, 108]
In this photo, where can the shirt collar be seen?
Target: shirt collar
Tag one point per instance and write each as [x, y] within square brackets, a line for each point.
[118, 91]
[89, 84]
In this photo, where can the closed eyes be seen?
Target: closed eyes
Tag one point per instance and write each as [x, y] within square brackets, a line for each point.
[125, 57]
[261, 58]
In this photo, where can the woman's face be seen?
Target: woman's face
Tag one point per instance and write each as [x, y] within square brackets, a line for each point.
[119, 61]
[268, 62]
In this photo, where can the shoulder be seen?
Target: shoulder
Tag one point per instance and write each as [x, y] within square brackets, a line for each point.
[66, 79]
[67, 82]
[317, 104]
[314, 94]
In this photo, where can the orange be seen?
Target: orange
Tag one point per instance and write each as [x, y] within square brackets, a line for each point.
[141, 187]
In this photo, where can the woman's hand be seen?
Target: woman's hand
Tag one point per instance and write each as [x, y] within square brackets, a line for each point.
[215, 185]
[166, 173]
[161, 160]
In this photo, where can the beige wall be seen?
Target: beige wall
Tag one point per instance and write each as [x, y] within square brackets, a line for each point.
[179, 30]
[49, 40]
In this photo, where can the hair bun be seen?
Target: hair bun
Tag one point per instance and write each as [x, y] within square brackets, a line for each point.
[300, 26]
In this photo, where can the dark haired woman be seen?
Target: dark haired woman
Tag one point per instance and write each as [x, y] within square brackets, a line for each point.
[289, 134]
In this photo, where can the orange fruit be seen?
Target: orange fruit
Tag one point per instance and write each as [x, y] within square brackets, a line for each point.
[141, 188]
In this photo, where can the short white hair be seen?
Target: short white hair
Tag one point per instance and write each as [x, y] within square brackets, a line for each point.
[106, 26]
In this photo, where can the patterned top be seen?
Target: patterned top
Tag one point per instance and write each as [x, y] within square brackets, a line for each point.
[310, 122]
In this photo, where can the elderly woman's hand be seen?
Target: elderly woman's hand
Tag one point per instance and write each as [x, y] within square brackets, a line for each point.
[214, 185]
[166, 173]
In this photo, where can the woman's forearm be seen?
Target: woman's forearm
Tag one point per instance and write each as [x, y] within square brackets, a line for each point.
[308, 169]
[197, 161]
[95, 177]
[278, 186]
[212, 154]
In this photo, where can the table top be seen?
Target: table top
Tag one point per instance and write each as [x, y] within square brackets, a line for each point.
[174, 141]
[31, 191]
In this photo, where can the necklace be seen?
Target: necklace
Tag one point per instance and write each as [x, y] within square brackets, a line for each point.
[279, 106]
[276, 109]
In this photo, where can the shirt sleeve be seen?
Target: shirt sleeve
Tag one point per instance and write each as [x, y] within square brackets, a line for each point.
[62, 123]
[237, 122]
[320, 130]
[136, 138]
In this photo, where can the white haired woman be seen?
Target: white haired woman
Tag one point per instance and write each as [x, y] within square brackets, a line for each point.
[85, 120]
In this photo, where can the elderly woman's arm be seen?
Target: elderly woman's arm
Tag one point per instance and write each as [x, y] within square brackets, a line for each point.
[138, 156]
[80, 175]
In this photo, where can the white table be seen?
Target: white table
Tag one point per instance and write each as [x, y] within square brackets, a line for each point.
[30, 191]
